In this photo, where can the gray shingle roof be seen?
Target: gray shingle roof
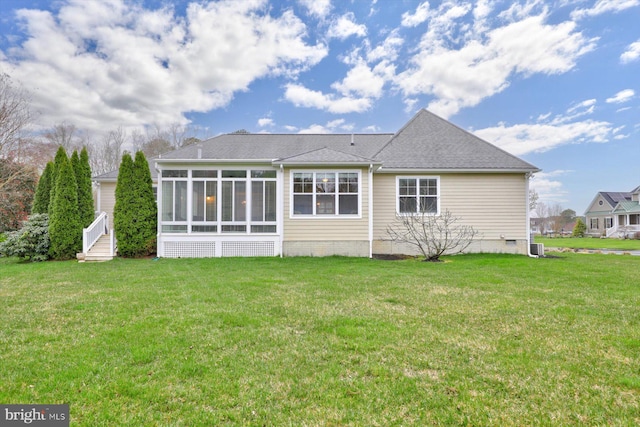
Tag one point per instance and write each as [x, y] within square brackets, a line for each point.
[270, 147]
[430, 142]
[325, 155]
[426, 142]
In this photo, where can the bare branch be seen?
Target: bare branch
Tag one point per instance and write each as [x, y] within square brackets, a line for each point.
[432, 235]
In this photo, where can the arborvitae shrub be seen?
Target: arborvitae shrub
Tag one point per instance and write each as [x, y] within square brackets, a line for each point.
[135, 212]
[85, 191]
[65, 229]
[43, 192]
[61, 156]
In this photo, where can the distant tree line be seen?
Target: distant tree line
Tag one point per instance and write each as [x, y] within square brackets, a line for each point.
[25, 153]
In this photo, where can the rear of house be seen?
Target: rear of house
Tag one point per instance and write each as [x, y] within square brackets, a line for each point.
[317, 195]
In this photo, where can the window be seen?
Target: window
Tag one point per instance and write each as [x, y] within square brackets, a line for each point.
[326, 193]
[204, 201]
[418, 195]
[608, 222]
[594, 223]
[218, 201]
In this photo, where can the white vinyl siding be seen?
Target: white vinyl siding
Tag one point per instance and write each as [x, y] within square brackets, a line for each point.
[494, 204]
[327, 228]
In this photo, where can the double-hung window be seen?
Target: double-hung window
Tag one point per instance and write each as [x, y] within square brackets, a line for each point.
[418, 195]
[326, 194]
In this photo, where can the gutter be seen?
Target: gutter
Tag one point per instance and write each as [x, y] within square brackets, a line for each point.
[526, 199]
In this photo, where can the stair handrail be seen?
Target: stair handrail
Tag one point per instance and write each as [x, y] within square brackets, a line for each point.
[92, 233]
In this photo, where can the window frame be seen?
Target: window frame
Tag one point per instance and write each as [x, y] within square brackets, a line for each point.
[238, 177]
[332, 188]
[417, 196]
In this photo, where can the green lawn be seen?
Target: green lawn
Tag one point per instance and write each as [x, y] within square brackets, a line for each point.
[477, 340]
[588, 243]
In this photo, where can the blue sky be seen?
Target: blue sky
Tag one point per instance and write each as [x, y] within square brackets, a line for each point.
[556, 82]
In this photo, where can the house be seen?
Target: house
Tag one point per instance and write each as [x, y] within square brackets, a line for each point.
[333, 194]
[614, 214]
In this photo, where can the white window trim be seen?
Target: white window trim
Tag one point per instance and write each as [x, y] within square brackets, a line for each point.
[335, 216]
[248, 223]
[418, 177]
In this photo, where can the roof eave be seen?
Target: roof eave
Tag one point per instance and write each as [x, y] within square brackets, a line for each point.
[456, 170]
[320, 164]
[200, 161]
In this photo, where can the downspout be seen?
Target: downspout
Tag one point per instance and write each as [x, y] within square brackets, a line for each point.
[159, 242]
[526, 199]
[370, 211]
[281, 210]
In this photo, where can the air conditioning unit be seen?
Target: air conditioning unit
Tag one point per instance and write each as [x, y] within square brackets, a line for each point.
[537, 249]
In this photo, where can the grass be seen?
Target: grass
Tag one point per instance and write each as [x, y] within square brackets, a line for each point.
[589, 243]
[477, 340]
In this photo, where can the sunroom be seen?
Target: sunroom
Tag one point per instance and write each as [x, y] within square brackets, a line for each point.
[214, 211]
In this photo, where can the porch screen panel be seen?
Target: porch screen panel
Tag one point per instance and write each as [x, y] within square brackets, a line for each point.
[167, 201]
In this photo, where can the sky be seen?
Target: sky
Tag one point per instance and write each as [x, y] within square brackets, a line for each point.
[556, 83]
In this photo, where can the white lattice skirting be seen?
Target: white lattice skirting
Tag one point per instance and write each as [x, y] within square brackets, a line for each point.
[211, 249]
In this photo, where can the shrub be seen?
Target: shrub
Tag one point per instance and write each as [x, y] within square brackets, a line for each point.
[135, 212]
[579, 229]
[31, 242]
[82, 172]
[65, 229]
[43, 192]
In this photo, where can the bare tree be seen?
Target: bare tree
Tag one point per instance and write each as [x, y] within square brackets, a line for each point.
[105, 155]
[542, 212]
[533, 199]
[64, 134]
[14, 114]
[555, 216]
[432, 235]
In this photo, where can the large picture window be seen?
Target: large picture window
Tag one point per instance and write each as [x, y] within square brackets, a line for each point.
[326, 193]
[418, 195]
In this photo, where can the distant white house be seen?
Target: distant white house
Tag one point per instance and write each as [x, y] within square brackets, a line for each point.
[614, 214]
[247, 194]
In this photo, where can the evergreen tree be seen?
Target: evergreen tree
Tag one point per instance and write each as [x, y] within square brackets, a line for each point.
[579, 229]
[65, 230]
[61, 156]
[146, 209]
[135, 212]
[85, 191]
[123, 210]
[43, 192]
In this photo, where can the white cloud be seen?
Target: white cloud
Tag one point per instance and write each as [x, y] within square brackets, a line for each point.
[462, 71]
[330, 127]
[355, 93]
[345, 27]
[622, 96]
[414, 19]
[521, 139]
[361, 81]
[388, 49]
[550, 190]
[604, 6]
[264, 122]
[319, 8]
[300, 96]
[104, 64]
[631, 54]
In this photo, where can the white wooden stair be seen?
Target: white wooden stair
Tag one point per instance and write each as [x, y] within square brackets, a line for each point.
[100, 251]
